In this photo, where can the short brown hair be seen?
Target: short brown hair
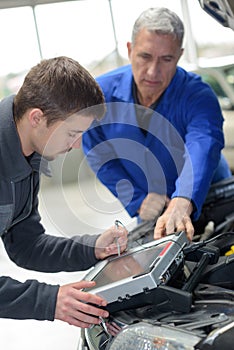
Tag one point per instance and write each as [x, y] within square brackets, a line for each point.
[60, 87]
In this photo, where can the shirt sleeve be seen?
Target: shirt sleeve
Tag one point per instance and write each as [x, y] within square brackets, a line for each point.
[30, 247]
[204, 141]
[28, 300]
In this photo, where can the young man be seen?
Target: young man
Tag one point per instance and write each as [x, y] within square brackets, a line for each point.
[46, 118]
[158, 148]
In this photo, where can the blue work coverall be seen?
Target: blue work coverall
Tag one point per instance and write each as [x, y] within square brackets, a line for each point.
[178, 155]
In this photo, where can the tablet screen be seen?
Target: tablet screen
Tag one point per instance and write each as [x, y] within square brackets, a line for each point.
[129, 265]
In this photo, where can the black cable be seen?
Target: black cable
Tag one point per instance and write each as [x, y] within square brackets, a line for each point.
[194, 246]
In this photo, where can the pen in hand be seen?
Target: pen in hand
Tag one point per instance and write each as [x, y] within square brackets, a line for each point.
[116, 240]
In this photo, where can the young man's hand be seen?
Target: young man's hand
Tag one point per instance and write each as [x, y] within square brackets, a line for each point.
[77, 307]
[111, 242]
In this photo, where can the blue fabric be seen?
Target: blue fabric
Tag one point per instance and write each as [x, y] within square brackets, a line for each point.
[178, 156]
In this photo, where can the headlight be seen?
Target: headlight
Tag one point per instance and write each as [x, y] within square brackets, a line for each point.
[144, 336]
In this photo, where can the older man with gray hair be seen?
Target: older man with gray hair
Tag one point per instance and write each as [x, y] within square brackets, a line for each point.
[159, 157]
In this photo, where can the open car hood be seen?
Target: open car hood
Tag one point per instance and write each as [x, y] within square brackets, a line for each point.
[221, 10]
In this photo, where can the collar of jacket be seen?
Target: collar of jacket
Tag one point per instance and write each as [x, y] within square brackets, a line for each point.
[14, 165]
[123, 87]
[124, 90]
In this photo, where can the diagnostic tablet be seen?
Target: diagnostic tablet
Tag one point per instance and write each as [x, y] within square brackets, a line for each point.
[138, 270]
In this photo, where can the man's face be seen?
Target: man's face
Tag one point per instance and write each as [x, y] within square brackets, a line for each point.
[154, 58]
[60, 137]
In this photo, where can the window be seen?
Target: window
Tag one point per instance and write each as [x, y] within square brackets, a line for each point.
[19, 48]
[79, 29]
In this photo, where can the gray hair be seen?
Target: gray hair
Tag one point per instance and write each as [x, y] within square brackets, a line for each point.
[161, 21]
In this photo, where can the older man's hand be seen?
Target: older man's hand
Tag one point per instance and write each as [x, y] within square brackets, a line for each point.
[175, 218]
[152, 206]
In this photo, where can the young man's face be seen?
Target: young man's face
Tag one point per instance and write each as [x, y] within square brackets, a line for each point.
[154, 58]
[60, 137]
